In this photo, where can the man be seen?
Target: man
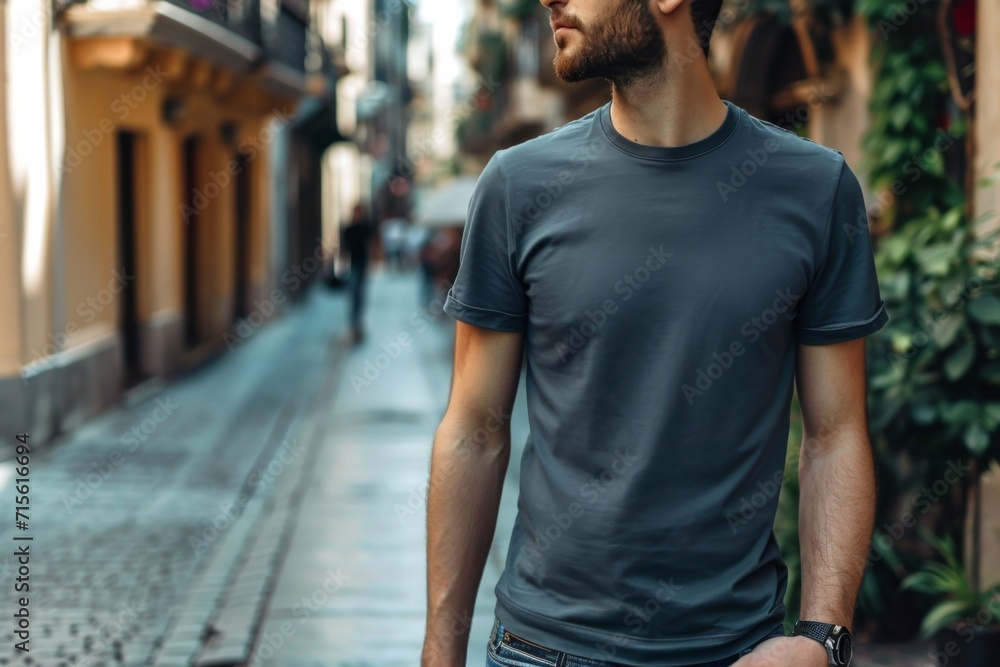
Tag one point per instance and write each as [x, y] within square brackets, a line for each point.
[669, 266]
[355, 238]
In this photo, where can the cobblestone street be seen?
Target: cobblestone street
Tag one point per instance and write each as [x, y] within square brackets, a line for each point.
[268, 509]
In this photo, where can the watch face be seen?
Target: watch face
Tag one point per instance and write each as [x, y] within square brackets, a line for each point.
[844, 650]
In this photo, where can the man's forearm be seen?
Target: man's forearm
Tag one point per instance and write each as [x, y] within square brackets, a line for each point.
[463, 498]
[836, 523]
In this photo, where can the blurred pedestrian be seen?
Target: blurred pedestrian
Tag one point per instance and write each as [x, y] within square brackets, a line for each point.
[416, 237]
[667, 293]
[439, 259]
[393, 232]
[355, 238]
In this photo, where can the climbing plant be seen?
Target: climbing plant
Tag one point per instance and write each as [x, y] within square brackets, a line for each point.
[934, 366]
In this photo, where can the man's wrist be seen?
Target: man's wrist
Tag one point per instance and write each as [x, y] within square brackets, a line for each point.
[817, 652]
[835, 640]
[434, 655]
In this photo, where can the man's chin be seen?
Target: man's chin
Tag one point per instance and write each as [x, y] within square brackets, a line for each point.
[570, 71]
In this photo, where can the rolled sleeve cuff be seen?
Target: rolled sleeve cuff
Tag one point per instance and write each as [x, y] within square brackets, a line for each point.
[483, 317]
[838, 333]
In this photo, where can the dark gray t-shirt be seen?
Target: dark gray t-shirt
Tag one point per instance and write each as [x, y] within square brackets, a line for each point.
[661, 292]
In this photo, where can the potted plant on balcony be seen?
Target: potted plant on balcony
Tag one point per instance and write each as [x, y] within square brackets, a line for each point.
[966, 621]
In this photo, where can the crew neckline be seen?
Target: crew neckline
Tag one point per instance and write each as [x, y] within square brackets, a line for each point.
[685, 152]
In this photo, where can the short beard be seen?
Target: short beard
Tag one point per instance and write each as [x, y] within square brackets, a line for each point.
[624, 46]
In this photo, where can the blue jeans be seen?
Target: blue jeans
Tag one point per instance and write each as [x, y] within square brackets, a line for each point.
[506, 649]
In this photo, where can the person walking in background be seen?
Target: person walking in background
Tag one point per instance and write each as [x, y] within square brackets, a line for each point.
[394, 231]
[691, 267]
[355, 239]
[416, 237]
[439, 259]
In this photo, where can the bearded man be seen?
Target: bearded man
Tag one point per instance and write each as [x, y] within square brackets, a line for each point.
[669, 269]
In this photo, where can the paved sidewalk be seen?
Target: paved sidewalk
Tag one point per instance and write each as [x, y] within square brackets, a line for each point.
[352, 588]
[126, 510]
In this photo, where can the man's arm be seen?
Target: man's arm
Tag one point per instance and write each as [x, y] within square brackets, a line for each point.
[836, 479]
[836, 497]
[469, 459]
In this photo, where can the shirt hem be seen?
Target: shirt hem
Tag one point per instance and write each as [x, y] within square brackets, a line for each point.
[838, 333]
[483, 317]
[607, 646]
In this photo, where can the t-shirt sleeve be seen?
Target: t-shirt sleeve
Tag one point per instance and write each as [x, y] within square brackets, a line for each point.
[843, 301]
[486, 292]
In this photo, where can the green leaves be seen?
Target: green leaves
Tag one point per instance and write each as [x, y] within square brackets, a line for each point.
[985, 309]
[959, 361]
[944, 615]
[976, 439]
[900, 115]
[946, 579]
[935, 259]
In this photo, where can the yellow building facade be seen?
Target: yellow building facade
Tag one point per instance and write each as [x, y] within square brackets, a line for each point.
[153, 188]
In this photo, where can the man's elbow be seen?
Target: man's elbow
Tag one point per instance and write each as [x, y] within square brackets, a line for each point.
[469, 433]
[834, 443]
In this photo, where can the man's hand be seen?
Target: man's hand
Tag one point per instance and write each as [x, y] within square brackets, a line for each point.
[792, 651]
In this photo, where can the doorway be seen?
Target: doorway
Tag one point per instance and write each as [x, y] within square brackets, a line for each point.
[242, 210]
[192, 213]
[128, 145]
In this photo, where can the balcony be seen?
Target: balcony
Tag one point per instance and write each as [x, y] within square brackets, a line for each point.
[239, 16]
[269, 37]
[288, 37]
[224, 32]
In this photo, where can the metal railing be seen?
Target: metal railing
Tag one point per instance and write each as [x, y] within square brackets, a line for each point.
[239, 16]
[287, 42]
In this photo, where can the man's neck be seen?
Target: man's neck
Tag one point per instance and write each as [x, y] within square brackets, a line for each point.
[675, 106]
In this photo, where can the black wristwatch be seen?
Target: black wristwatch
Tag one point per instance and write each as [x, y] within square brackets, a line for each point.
[836, 639]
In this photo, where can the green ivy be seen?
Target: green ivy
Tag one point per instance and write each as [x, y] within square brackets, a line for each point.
[934, 369]
[935, 364]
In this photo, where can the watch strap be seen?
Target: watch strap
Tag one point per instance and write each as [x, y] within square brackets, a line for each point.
[813, 630]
